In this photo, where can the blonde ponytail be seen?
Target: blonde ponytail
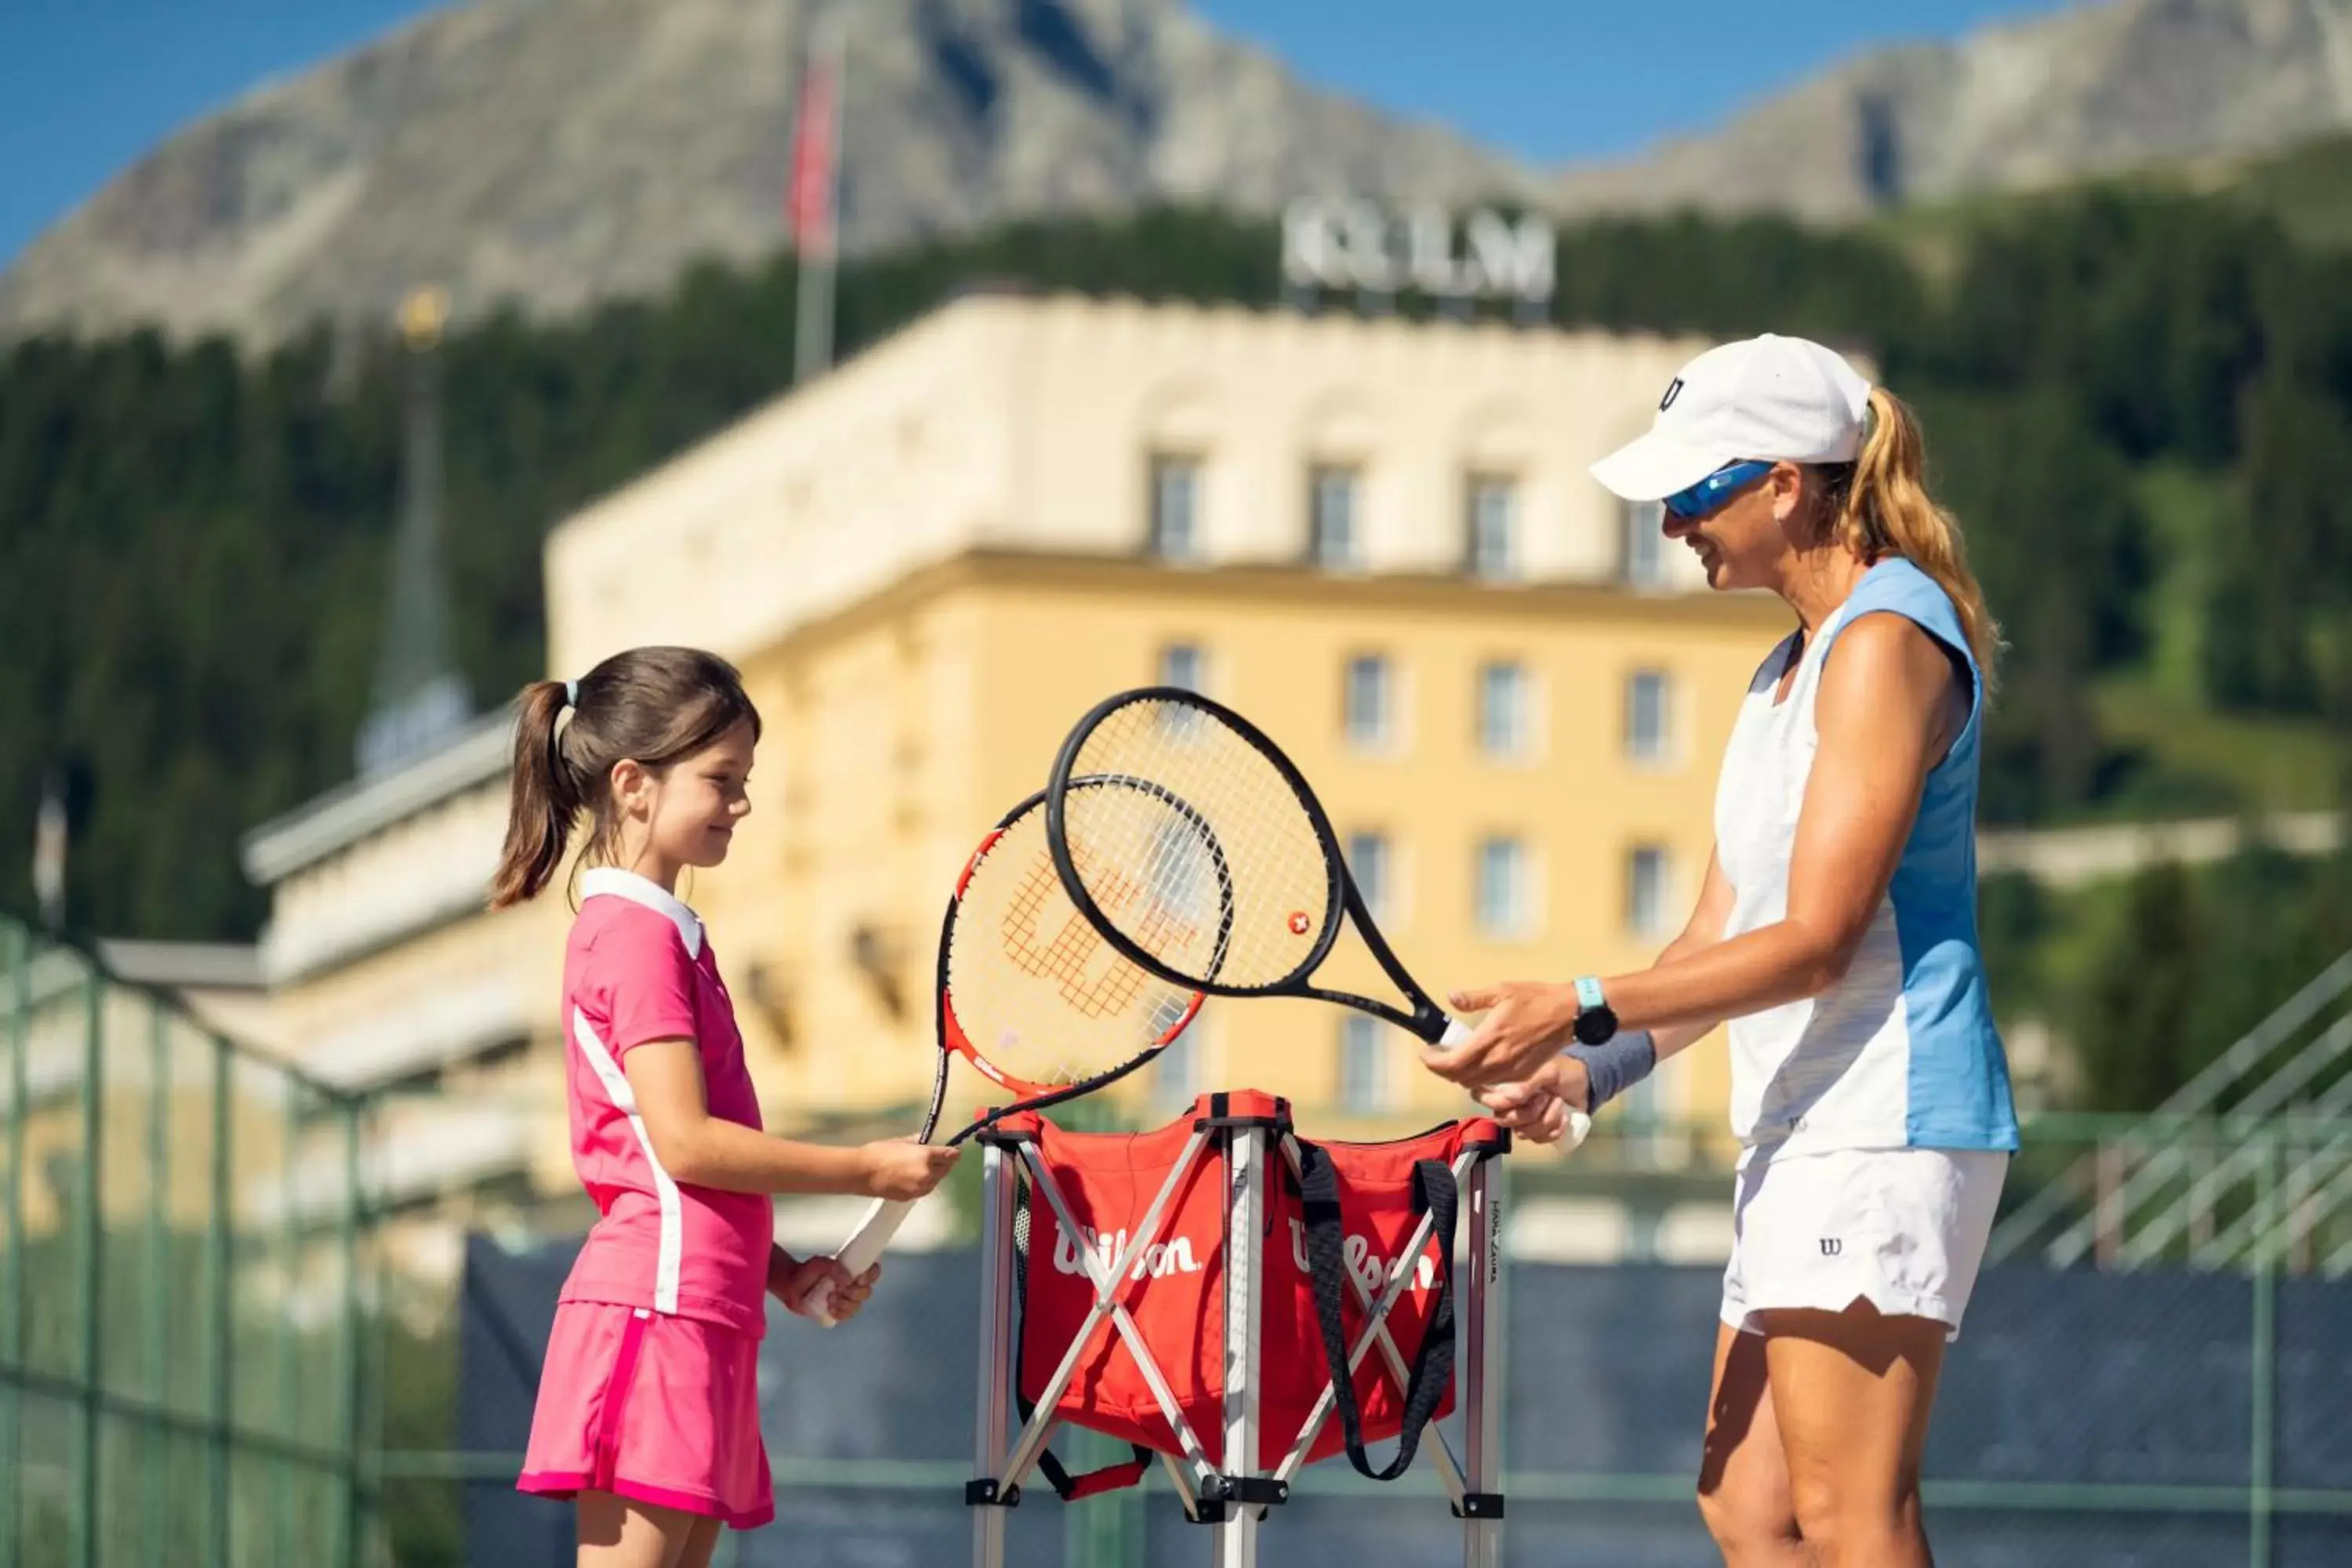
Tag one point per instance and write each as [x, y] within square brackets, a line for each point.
[1885, 509]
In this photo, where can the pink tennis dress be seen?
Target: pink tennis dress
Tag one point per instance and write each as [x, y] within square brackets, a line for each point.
[650, 1388]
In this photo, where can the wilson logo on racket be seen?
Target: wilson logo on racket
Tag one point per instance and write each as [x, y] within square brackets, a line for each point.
[1092, 978]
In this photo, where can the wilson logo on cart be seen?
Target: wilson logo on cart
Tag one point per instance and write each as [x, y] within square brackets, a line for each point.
[1174, 1256]
[1369, 1269]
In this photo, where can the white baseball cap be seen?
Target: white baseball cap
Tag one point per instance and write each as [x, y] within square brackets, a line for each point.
[1774, 398]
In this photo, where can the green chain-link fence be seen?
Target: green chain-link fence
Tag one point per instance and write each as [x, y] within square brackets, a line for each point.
[211, 1352]
[181, 1317]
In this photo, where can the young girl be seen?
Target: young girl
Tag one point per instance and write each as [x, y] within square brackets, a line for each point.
[648, 1413]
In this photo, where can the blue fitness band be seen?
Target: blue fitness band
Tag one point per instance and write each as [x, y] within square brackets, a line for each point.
[1616, 1065]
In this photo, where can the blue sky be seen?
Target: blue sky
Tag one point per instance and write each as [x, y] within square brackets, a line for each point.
[86, 88]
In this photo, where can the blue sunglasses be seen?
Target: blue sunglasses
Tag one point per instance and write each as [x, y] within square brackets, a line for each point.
[1715, 488]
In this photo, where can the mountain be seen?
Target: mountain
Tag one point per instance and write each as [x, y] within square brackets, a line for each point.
[557, 152]
[2095, 89]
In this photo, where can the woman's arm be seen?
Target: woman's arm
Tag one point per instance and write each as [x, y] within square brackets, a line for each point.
[706, 1151]
[1882, 717]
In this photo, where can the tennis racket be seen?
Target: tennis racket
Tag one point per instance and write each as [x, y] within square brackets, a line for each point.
[1031, 996]
[1234, 850]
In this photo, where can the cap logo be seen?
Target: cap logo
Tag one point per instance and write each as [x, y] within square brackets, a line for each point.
[1673, 390]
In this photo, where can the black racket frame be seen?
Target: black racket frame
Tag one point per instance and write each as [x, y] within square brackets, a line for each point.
[1341, 898]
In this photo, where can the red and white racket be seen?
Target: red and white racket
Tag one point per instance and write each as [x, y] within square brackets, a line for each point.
[1031, 995]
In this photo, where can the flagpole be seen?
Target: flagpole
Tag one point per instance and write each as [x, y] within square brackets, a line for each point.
[815, 236]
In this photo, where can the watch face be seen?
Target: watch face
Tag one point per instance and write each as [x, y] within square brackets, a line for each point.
[1594, 1025]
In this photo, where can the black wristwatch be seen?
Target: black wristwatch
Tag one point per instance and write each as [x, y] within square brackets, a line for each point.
[1596, 1021]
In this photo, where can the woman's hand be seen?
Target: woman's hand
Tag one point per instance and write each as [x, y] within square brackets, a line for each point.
[1538, 1109]
[1526, 1022]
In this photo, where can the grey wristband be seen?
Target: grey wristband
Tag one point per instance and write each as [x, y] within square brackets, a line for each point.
[1616, 1064]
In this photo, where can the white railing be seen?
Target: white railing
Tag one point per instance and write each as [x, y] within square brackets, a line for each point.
[2142, 1171]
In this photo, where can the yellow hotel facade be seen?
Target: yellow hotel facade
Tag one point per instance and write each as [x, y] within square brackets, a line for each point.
[1376, 537]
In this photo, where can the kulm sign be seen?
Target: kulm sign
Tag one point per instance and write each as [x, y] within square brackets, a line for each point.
[1357, 244]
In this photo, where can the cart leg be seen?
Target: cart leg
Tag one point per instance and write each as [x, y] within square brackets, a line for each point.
[1245, 1205]
[1482, 1373]
[989, 1436]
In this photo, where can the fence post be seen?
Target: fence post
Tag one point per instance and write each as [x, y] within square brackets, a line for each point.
[154, 1442]
[2265, 1358]
[284, 1503]
[92, 1228]
[355, 1395]
[11, 1289]
[217, 1287]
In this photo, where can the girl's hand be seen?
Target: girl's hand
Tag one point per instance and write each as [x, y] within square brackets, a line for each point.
[1538, 1109]
[792, 1286]
[900, 1170]
[1526, 1022]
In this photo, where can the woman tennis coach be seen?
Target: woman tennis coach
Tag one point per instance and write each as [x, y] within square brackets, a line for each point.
[1837, 932]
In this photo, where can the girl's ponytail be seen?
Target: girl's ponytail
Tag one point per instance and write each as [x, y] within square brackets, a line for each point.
[652, 705]
[544, 799]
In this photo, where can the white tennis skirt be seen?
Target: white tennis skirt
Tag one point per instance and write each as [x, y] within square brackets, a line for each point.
[1904, 1229]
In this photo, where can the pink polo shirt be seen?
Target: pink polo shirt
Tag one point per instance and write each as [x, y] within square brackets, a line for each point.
[638, 967]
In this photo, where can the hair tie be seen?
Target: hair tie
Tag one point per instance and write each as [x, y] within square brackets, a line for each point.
[572, 694]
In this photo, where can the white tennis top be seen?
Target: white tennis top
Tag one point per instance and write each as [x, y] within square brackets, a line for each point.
[1902, 1052]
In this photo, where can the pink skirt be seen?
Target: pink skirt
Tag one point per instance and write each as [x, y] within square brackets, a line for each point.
[660, 1410]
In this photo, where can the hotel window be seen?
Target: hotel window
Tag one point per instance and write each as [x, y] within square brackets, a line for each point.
[1332, 498]
[1176, 1075]
[1502, 888]
[1645, 890]
[1502, 708]
[1184, 664]
[1367, 1064]
[1494, 528]
[1368, 864]
[1649, 716]
[1366, 701]
[1176, 507]
[1645, 546]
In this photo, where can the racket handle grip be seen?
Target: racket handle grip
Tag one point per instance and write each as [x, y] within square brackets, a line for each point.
[1456, 1031]
[860, 1252]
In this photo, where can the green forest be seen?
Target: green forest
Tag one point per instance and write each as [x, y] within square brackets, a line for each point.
[2139, 398]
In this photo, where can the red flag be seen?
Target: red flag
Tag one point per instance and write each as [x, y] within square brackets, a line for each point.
[808, 204]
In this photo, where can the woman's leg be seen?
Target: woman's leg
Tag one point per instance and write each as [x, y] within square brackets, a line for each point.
[1851, 1392]
[617, 1533]
[1743, 1480]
